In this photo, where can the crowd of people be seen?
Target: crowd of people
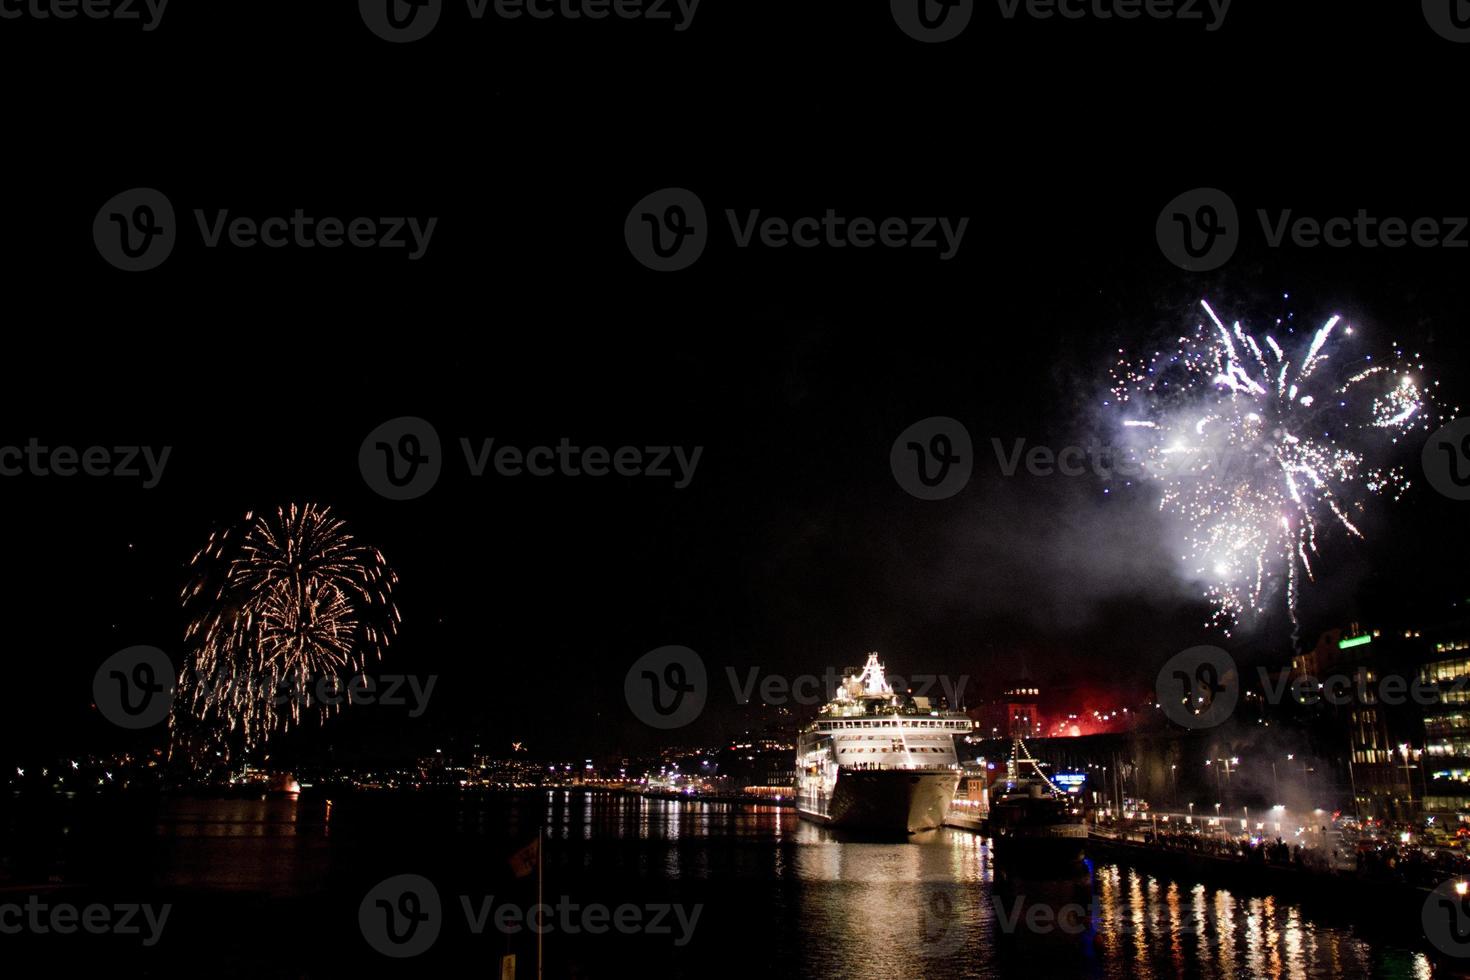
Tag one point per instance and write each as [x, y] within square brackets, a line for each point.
[1413, 864]
[1381, 855]
[1243, 847]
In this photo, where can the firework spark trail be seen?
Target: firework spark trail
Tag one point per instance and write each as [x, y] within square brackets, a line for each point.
[275, 602]
[1257, 451]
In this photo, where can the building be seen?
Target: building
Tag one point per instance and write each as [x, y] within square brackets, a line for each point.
[759, 766]
[1014, 713]
[1408, 719]
[1445, 763]
[1363, 677]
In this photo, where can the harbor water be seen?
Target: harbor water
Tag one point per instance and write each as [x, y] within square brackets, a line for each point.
[278, 887]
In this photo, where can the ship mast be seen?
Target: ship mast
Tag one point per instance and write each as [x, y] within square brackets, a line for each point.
[1021, 754]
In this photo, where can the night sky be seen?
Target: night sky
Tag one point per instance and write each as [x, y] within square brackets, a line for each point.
[528, 321]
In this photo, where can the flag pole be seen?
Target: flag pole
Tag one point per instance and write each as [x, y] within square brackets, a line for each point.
[540, 864]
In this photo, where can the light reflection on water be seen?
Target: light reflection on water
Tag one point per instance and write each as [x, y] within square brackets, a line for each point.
[820, 903]
[934, 907]
[272, 846]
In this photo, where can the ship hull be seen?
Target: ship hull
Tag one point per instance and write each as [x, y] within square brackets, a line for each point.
[1037, 829]
[1044, 846]
[893, 801]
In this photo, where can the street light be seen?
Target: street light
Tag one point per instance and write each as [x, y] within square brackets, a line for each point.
[1226, 764]
[1407, 754]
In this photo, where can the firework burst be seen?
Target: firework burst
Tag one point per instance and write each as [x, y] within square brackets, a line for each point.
[274, 603]
[1261, 444]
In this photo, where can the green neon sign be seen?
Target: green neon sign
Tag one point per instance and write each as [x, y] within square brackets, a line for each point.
[1355, 641]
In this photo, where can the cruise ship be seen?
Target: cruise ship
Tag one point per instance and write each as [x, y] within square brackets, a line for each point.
[878, 760]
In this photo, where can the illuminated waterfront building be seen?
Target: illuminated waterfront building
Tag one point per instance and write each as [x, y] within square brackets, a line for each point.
[1446, 761]
[1015, 713]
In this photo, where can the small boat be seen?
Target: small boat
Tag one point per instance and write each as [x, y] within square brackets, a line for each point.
[1033, 824]
[282, 784]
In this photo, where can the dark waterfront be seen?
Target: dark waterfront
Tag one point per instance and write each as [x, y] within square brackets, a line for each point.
[273, 887]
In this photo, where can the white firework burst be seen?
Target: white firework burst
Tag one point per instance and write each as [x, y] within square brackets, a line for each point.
[1261, 445]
